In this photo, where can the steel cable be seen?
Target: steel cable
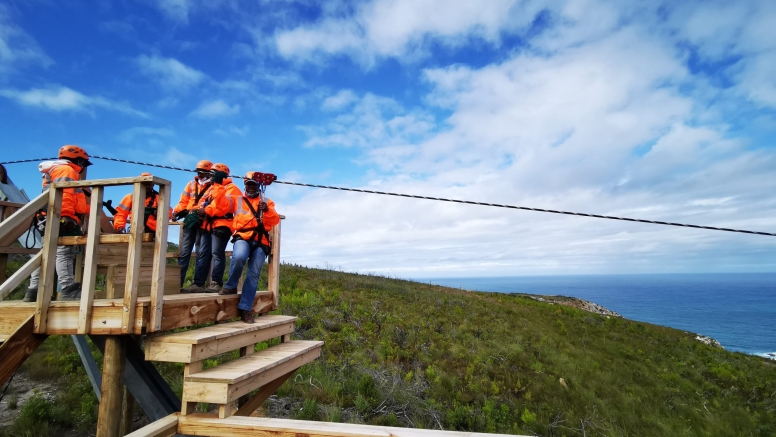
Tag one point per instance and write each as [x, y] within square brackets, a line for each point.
[442, 199]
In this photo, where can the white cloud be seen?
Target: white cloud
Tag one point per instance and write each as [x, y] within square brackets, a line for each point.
[233, 130]
[17, 48]
[338, 101]
[129, 135]
[61, 99]
[403, 27]
[170, 73]
[177, 10]
[215, 109]
[594, 116]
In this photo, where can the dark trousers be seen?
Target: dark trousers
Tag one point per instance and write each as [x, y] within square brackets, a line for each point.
[198, 239]
[218, 241]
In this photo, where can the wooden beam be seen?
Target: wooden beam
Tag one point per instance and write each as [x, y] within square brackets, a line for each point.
[48, 262]
[18, 347]
[133, 256]
[113, 182]
[11, 204]
[236, 426]
[262, 395]
[188, 370]
[19, 250]
[90, 262]
[273, 270]
[3, 266]
[164, 427]
[21, 218]
[180, 311]
[109, 419]
[160, 258]
[104, 239]
[19, 276]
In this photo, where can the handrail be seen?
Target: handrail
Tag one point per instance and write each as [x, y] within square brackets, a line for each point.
[19, 276]
[134, 239]
[10, 227]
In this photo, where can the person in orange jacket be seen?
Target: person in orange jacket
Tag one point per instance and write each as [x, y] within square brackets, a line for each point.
[124, 209]
[253, 218]
[72, 161]
[194, 196]
[218, 218]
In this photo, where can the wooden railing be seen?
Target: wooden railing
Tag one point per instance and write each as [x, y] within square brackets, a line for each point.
[16, 221]
[92, 241]
[116, 252]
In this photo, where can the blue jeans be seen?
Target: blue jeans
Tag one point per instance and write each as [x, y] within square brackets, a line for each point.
[200, 239]
[218, 241]
[242, 253]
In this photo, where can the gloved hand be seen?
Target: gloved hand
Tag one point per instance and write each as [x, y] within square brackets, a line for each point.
[67, 224]
[181, 214]
[263, 206]
[201, 212]
[219, 176]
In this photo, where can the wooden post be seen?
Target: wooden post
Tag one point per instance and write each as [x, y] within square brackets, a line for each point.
[109, 420]
[160, 258]
[7, 212]
[127, 412]
[273, 269]
[133, 257]
[90, 262]
[48, 262]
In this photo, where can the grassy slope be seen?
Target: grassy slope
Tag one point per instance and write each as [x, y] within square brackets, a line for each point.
[410, 354]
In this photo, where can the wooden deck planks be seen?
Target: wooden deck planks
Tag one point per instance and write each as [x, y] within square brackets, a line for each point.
[164, 427]
[254, 364]
[235, 426]
[191, 346]
[18, 347]
[223, 393]
[225, 330]
[180, 311]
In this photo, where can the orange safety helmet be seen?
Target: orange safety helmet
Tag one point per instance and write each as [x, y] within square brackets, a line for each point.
[249, 177]
[204, 165]
[75, 154]
[145, 173]
[221, 167]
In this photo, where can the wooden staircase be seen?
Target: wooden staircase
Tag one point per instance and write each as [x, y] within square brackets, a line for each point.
[227, 383]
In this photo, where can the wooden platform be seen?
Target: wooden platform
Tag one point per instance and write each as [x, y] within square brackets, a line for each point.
[179, 311]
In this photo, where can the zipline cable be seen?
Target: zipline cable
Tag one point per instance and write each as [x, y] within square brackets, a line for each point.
[442, 199]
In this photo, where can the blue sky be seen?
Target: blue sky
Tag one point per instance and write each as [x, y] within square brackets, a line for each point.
[655, 110]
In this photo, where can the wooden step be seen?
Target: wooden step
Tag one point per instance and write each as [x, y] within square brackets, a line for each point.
[224, 384]
[199, 344]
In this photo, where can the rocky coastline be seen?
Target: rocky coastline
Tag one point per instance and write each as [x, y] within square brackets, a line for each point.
[598, 309]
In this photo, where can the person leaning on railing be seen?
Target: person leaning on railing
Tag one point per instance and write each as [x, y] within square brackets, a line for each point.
[124, 209]
[253, 218]
[72, 161]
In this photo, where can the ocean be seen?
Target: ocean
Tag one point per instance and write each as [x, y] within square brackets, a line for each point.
[736, 309]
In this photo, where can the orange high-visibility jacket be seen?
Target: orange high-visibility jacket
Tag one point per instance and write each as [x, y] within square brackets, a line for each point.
[73, 199]
[190, 194]
[217, 211]
[124, 211]
[245, 224]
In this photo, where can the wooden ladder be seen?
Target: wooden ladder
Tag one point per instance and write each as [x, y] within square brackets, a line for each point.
[227, 383]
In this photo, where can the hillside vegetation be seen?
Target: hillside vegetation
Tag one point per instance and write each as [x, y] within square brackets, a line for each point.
[404, 353]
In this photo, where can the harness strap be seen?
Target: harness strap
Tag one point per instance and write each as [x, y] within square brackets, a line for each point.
[258, 231]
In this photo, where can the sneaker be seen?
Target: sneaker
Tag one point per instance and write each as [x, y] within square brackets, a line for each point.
[71, 292]
[213, 288]
[246, 316]
[226, 291]
[193, 288]
[31, 295]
